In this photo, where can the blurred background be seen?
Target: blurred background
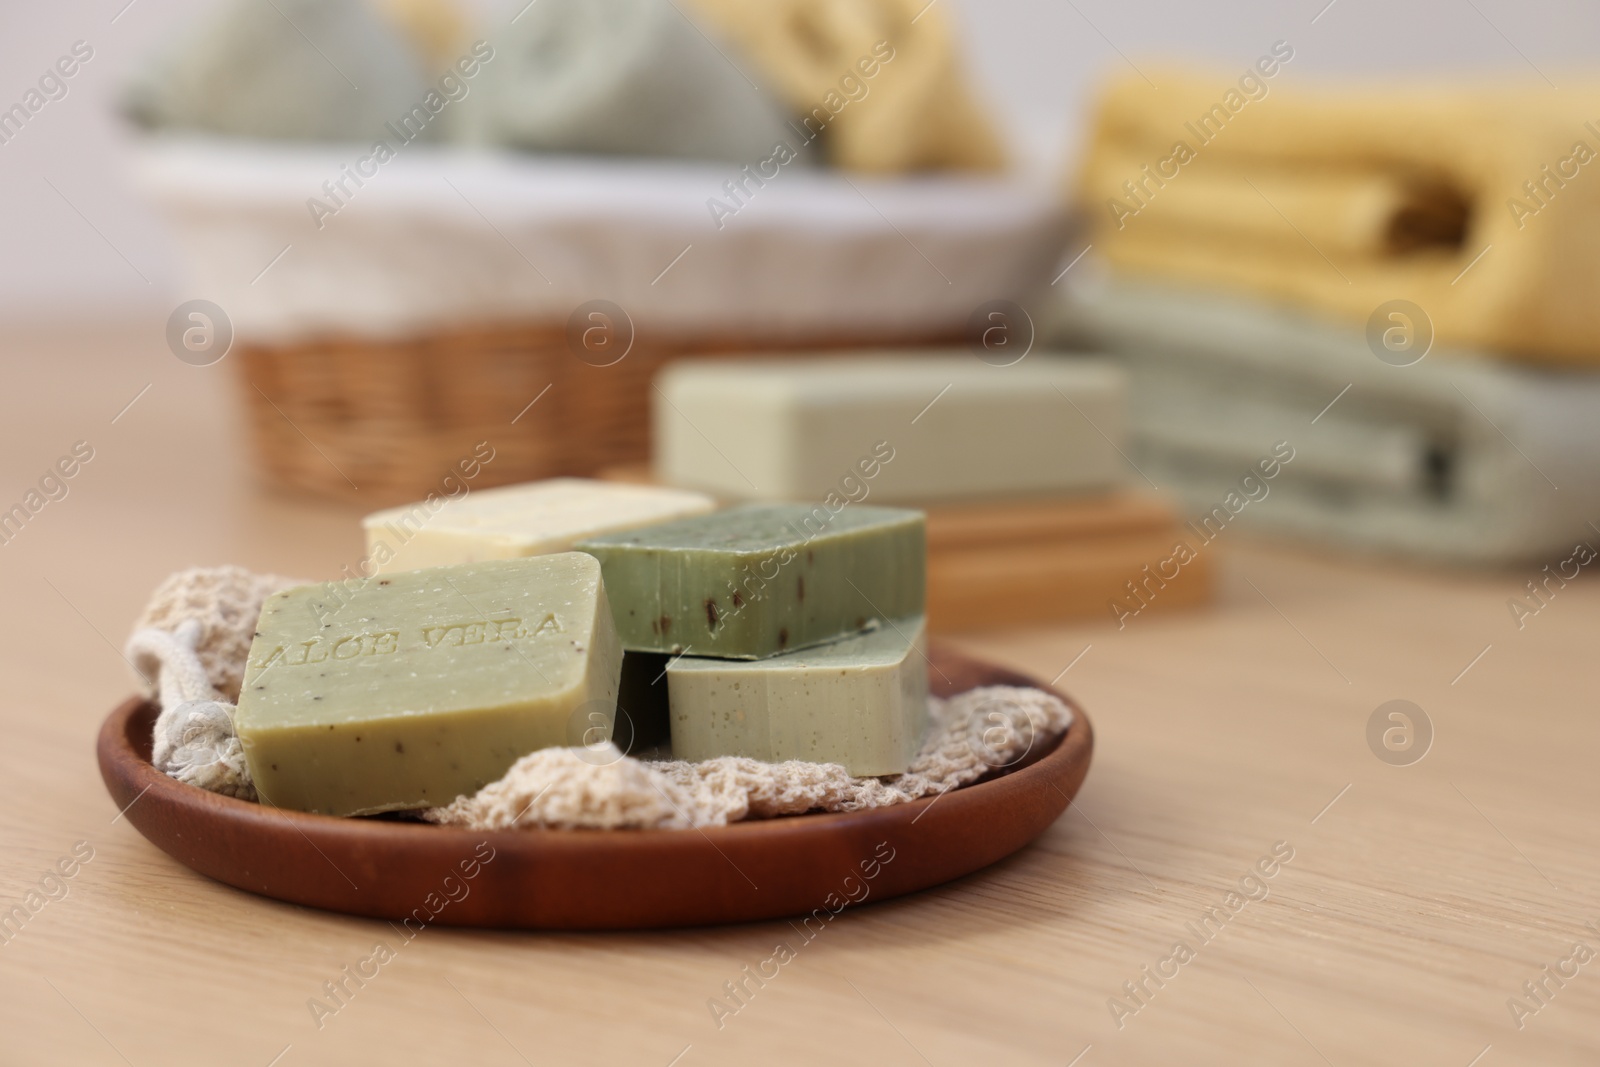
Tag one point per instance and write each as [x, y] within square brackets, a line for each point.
[1243, 356]
[1346, 241]
[1036, 64]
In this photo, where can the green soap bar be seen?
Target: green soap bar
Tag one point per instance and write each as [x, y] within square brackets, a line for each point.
[862, 702]
[425, 685]
[761, 579]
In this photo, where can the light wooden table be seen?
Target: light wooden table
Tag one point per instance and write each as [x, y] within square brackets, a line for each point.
[1418, 900]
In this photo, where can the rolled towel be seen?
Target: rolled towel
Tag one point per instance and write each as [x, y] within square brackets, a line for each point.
[625, 77]
[879, 80]
[437, 29]
[308, 70]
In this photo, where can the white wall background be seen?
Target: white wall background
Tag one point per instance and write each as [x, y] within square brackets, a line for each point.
[88, 249]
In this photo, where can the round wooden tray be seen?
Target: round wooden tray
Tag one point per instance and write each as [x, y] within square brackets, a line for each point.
[421, 874]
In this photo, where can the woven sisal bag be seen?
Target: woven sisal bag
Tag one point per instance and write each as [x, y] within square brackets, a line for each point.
[194, 638]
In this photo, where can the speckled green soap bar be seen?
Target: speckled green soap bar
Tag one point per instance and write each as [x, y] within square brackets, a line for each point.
[861, 702]
[758, 580]
[424, 685]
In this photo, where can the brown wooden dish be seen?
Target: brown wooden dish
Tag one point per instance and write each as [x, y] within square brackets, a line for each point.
[421, 874]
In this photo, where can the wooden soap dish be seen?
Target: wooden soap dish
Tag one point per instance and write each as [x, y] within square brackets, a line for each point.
[602, 880]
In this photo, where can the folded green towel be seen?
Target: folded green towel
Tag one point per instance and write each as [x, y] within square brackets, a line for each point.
[1455, 458]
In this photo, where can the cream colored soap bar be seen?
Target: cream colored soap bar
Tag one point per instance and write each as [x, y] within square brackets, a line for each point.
[861, 702]
[425, 685]
[517, 520]
[891, 430]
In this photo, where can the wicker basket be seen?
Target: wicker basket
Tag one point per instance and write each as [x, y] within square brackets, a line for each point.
[382, 349]
[384, 422]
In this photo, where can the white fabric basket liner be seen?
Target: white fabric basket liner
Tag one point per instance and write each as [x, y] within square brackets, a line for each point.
[443, 238]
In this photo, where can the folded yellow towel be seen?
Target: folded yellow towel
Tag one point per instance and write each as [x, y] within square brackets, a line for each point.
[878, 79]
[1476, 204]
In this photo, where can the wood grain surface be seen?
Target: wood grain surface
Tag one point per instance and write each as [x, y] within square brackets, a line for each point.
[1417, 902]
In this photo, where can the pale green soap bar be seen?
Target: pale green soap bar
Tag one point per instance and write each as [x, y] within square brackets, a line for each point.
[940, 426]
[425, 685]
[861, 702]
